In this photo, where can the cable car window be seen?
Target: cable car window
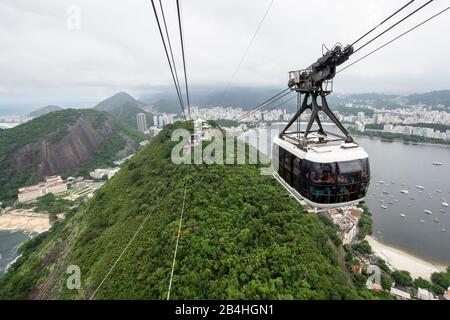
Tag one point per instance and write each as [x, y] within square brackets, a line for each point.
[288, 161]
[350, 166]
[281, 156]
[296, 166]
[275, 156]
[365, 173]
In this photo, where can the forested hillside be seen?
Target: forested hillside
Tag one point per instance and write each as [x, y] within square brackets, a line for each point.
[70, 141]
[242, 236]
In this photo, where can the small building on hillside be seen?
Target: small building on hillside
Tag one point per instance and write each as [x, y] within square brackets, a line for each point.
[424, 294]
[348, 227]
[52, 184]
[99, 174]
[400, 294]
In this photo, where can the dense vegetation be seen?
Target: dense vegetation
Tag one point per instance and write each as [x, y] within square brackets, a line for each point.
[434, 126]
[49, 203]
[242, 236]
[127, 112]
[365, 224]
[51, 128]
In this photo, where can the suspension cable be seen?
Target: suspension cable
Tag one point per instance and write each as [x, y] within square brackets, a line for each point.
[395, 24]
[178, 240]
[168, 59]
[265, 105]
[261, 105]
[184, 60]
[171, 52]
[141, 226]
[399, 36]
[280, 104]
[245, 53]
[373, 29]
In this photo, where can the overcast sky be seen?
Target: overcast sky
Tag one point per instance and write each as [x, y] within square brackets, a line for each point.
[45, 57]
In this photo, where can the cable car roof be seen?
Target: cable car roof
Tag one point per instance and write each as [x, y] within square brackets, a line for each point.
[333, 151]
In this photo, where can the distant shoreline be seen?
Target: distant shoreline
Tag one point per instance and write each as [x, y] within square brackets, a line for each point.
[399, 259]
[402, 141]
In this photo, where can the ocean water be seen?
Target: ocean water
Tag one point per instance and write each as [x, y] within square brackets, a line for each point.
[10, 241]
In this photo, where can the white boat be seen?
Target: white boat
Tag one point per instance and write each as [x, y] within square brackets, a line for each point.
[420, 187]
[381, 181]
[403, 184]
[390, 202]
[443, 230]
[381, 201]
[386, 192]
[427, 211]
[438, 191]
[442, 210]
[437, 163]
[422, 221]
[404, 191]
[402, 215]
[444, 204]
[436, 220]
[384, 207]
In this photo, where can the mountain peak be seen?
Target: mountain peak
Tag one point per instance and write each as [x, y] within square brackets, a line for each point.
[118, 100]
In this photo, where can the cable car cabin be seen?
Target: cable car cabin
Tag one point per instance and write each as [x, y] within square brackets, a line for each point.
[324, 175]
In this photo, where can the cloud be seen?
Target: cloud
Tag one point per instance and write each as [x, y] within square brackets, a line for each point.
[118, 46]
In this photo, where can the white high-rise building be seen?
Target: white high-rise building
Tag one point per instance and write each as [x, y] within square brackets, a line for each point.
[155, 121]
[142, 122]
[360, 117]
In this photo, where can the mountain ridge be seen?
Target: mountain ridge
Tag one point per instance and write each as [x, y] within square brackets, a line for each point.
[61, 142]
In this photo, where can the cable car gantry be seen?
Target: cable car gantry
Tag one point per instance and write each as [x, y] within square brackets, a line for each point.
[323, 169]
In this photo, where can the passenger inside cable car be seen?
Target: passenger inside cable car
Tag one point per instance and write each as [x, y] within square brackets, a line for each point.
[325, 183]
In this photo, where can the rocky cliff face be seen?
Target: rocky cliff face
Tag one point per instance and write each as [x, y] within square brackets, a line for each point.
[67, 148]
[69, 153]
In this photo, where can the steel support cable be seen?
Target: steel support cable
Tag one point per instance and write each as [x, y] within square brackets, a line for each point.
[171, 52]
[168, 58]
[184, 59]
[280, 104]
[259, 106]
[394, 39]
[271, 102]
[395, 24]
[141, 226]
[245, 53]
[178, 239]
[382, 22]
[265, 105]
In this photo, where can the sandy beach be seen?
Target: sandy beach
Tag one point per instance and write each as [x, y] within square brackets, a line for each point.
[23, 220]
[400, 260]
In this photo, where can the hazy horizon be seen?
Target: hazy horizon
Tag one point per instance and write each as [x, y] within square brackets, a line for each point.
[58, 51]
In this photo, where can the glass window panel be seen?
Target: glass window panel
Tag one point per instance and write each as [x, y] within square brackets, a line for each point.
[350, 166]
